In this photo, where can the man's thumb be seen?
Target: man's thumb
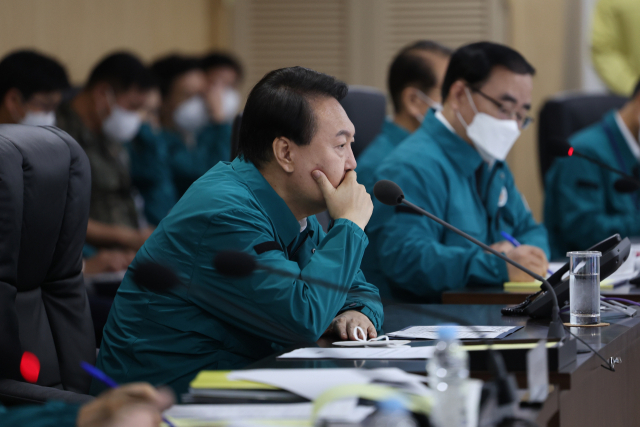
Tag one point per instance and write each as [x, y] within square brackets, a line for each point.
[323, 182]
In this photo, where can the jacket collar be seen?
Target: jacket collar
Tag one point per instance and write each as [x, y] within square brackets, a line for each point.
[465, 158]
[287, 226]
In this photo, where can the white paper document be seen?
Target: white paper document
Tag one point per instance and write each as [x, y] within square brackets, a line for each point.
[311, 383]
[351, 353]
[462, 332]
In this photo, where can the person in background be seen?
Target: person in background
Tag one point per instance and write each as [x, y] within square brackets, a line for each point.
[582, 207]
[102, 117]
[224, 75]
[131, 405]
[615, 50]
[31, 86]
[414, 83]
[295, 161]
[454, 167]
[195, 142]
[149, 158]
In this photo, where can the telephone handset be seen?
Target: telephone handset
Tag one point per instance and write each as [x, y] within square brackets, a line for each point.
[615, 252]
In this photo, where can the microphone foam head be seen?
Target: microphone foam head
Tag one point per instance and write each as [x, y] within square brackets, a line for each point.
[234, 263]
[625, 185]
[155, 277]
[388, 192]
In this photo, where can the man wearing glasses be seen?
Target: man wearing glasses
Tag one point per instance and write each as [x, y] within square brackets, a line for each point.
[454, 167]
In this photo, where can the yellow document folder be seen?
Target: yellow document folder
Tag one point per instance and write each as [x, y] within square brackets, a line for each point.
[532, 287]
[220, 380]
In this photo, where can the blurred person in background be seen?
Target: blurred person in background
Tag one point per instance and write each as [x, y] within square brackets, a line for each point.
[414, 83]
[582, 206]
[102, 117]
[615, 44]
[149, 159]
[31, 86]
[224, 75]
[195, 142]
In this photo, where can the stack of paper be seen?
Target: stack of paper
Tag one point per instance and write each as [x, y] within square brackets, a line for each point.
[385, 353]
[462, 332]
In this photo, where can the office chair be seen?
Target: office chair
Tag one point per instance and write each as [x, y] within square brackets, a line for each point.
[366, 107]
[45, 187]
[564, 115]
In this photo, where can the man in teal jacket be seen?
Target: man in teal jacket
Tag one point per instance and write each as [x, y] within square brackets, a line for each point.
[196, 138]
[582, 206]
[453, 166]
[295, 161]
[415, 83]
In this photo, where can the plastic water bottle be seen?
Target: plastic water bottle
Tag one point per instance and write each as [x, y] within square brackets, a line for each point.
[448, 370]
[391, 413]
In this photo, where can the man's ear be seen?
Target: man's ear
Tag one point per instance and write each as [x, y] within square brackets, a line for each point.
[14, 104]
[410, 101]
[457, 94]
[282, 152]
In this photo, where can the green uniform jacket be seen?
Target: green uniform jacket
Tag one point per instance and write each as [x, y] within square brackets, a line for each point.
[581, 205]
[411, 257]
[188, 163]
[151, 174]
[377, 151]
[217, 322]
[50, 414]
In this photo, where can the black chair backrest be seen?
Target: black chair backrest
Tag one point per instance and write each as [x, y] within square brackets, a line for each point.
[366, 107]
[45, 188]
[235, 135]
[566, 114]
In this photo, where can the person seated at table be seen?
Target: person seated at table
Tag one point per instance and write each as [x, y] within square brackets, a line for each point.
[414, 83]
[31, 86]
[582, 206]
[295, 161]
[454, 167]
[196, 143]
[149, 162]
[224, 75]
[102, 117]
[131, 405]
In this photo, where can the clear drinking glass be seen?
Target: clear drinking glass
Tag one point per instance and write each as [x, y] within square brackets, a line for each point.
[584, 287]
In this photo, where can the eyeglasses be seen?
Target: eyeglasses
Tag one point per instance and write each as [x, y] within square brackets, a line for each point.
[524, 121]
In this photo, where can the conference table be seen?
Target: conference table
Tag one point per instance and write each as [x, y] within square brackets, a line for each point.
[583, 393]
[496, 295]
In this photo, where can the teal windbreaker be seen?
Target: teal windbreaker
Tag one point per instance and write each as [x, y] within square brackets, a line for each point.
[218, 322]
[581, 205]
[412, 258]
[377, 151]
[188, 163]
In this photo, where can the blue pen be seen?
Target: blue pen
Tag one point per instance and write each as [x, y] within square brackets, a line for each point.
[99, 375]
[509, 238]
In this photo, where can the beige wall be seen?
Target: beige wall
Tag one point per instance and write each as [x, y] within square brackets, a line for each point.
[80, 32]
[537, 30]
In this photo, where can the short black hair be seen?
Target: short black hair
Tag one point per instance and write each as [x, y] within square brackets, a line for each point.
[636, 90]
[168, 68]
[409, 68]
[278, 106]
[221, 59]
[123, 71]
[31, 72]
[474, 62]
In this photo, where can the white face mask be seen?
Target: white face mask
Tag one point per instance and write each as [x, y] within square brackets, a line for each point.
[492, 138]
[230, 104]
[121, 125]
[33, 118]
[192, 114]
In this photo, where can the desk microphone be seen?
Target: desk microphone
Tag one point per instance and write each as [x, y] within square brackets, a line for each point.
[389, 193]
[626, 184]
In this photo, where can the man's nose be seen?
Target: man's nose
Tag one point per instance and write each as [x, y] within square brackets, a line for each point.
[351, 163]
